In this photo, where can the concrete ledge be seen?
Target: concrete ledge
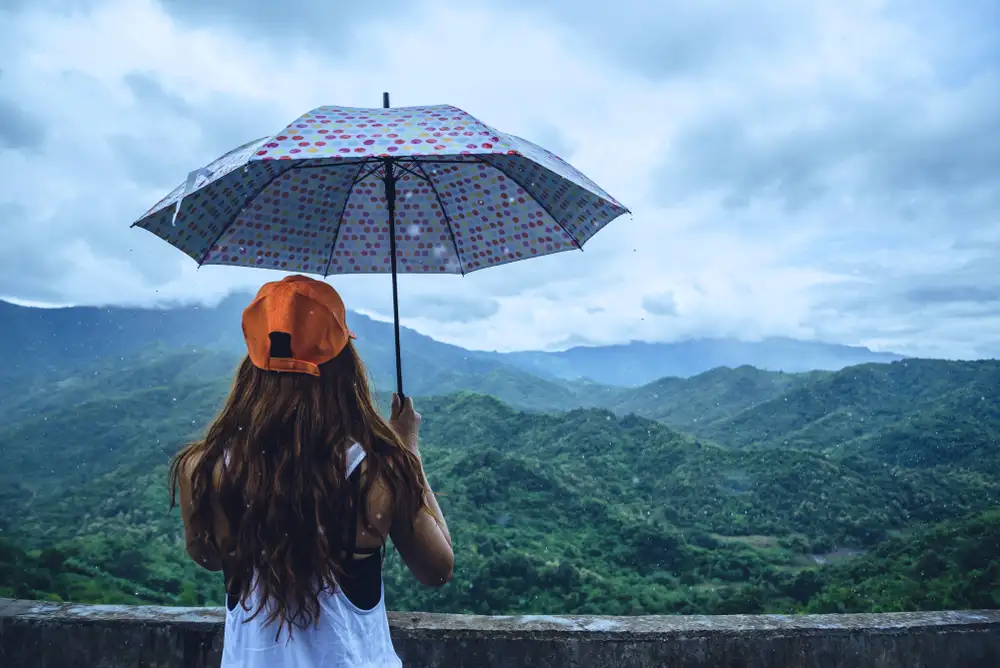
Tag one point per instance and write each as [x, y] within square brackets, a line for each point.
[49, 635]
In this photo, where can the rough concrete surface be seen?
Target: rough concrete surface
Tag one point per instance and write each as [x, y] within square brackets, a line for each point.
[50, 635]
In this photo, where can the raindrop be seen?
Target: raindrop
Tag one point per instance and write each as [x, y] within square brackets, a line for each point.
[413, 230]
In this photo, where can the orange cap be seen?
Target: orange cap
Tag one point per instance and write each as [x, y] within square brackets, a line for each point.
[297, 312]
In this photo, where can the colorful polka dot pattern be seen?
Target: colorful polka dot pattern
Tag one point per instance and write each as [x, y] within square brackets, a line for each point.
[311, 199]
[348, 132]
[206, 213]
[292, 224]
[580, 213]
[217, 169]
[494, 219]
[424, 241]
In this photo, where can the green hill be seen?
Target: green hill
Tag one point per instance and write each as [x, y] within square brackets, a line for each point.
[839, 407]
[914, 414]
[950, 566]
[719, 394]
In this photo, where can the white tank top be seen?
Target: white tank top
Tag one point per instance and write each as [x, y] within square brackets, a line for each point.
[346, 636]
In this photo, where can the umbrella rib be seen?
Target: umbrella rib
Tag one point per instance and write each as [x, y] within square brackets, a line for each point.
[340, 219]
[447, 218]
[537, 201]
[409, 171]
[246, 203]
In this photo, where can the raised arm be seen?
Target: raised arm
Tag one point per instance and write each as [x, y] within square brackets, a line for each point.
[424, 542]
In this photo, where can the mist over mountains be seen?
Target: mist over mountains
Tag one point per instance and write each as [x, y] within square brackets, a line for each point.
[638, 362]
[33, 337]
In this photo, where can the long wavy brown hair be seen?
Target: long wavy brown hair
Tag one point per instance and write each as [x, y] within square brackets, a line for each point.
[283, 492]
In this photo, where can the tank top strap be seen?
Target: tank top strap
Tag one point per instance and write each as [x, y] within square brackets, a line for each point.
[355, 455]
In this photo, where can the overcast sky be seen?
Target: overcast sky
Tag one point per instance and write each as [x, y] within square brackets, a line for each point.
[815, 169]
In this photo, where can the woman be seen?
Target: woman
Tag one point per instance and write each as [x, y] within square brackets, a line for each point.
[296, 487]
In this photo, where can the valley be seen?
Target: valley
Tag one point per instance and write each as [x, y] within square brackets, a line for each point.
[735, 490]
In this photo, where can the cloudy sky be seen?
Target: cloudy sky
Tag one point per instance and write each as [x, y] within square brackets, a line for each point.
[816, 169]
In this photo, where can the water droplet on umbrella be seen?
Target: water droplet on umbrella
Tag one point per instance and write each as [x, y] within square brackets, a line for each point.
[480, 202]
[413, 230]
[440, 251]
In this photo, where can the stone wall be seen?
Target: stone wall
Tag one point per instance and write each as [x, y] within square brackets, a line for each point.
[48, 635]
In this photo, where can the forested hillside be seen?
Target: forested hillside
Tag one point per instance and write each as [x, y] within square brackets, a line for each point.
[584, 511]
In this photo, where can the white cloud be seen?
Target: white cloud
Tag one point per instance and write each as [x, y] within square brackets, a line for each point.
[809, 174]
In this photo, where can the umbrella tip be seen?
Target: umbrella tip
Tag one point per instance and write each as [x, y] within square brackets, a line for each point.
[385, 100]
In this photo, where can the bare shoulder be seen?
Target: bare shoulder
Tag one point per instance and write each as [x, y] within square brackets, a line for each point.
[188, 465]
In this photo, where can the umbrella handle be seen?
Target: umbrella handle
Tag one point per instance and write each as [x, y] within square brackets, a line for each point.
[399, 361]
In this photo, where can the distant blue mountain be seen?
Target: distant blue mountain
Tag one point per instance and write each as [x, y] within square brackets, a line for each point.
[637, 363]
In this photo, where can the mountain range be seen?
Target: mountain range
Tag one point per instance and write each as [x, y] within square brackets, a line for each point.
[638, 363]
[34, 337]
[733, 490]
[588, 511]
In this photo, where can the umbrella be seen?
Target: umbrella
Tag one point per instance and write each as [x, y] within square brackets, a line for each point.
[412, 190]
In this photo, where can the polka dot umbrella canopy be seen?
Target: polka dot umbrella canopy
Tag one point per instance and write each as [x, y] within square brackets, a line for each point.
[410, 190]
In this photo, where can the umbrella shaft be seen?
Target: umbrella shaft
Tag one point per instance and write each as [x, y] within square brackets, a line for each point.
[389, 179]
